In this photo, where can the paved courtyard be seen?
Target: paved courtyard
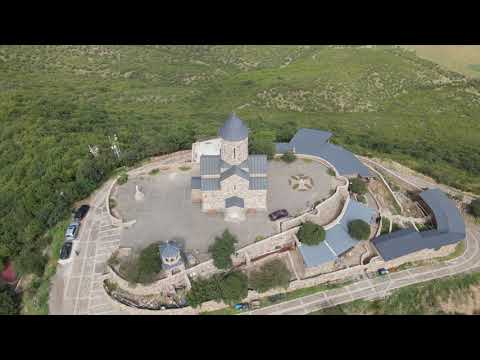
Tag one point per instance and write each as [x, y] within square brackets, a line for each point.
[167, 212]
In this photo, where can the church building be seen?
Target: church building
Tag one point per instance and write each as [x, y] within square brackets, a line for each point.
[232, 182]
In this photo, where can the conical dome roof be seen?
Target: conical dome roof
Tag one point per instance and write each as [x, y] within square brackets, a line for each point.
[234, 129]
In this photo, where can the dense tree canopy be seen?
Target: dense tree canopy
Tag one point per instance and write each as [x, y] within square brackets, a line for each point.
[262, 142]
[311, 233]
[222, 249]
[359, 229]
[9, 301]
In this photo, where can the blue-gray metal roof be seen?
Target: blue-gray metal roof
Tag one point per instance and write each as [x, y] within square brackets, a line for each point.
[337, 238]
[281, 148]
[315, 143]
[257, 164]
[233, 129]
[447, 216]
[169, 250]
[234, 201]
[234, 170]
[196, 182]
[210, 165]
[210, 184]
[316, 255]
[450, 229]
[258, 183]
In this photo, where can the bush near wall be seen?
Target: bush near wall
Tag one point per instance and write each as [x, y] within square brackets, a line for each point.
[475, 207]
[358, 186]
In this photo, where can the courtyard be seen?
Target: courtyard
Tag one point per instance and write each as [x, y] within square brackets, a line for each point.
[167, 213]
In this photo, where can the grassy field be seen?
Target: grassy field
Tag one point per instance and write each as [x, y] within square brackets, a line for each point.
[464, 59]
[422, 299]
[55, 101]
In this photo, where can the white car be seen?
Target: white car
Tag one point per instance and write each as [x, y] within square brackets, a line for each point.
[72, 231]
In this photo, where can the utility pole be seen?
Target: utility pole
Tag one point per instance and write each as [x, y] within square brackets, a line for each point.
[114, 146]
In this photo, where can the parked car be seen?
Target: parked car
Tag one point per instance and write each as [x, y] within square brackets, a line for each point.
[66, 250]
[241, 306]
[81, 212]
[383, 271]
[278, 214]
[72, 231]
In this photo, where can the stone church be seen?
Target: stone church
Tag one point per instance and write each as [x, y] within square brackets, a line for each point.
[231, 182]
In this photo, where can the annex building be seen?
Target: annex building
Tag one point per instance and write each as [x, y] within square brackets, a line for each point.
[232, 182]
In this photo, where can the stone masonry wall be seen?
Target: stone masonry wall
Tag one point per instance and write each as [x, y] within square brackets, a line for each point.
[241, 151]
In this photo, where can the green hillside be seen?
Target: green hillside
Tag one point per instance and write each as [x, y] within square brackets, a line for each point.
[57, 100]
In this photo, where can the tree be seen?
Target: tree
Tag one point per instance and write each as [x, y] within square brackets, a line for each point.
[311, 233]
[149, 264]
[31, 262]
[9, 301]
[222, 249]
[122, 179]
[358, 186]
[359, 229]
[271, 275]
[203, 290]
[475, 207]
[289, 157]
[262, 142]
[234, 287]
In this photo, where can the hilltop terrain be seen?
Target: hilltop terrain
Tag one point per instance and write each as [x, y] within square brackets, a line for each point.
[55, 101]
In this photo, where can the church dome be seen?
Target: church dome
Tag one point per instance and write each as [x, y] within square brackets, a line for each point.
[234, 129]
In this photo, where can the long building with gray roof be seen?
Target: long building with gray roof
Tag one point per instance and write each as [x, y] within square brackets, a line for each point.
[449, 223]
[316, 143]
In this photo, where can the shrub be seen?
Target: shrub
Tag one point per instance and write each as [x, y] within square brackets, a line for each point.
[362, 199]
[330, 172]
[359, 229]
[271, 275]
[154, 171]
[475, 207]
[234, 287]
[222, 249]
[122, 179]
[9, 301]
[358, 186]
[311, 233]
[289, 157]
[184, 168]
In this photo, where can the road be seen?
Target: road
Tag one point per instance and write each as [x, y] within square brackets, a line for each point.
[380, 287]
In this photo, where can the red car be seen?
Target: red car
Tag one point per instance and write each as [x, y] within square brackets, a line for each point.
[278, 214]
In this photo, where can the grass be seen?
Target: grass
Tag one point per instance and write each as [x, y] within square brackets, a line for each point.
[35, 295]
[420, 299]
